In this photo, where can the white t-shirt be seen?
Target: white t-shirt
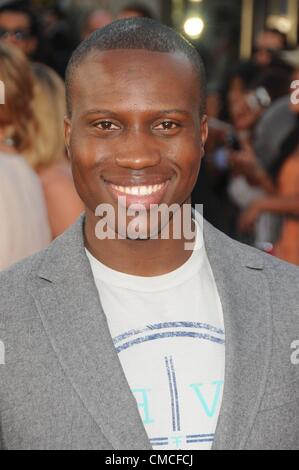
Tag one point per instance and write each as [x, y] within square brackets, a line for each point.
[168, 331]
[24, 226]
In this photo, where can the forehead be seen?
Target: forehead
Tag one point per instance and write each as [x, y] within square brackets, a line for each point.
[269, 38]
[135, 78]
[99, 19]
[11, 18]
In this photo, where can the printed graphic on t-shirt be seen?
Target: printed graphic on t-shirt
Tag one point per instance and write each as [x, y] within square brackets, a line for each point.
[170, 385]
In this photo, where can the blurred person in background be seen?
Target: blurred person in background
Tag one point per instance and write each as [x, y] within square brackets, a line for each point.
[19, 27]
[247, 111]
[32, 31]
[135, 10]
[47, 156]
[283, 198]
[211, 186]
[267, 44]
[239, 80]
[58, 37]
[255, 94]
[95, 20]
[24, 226]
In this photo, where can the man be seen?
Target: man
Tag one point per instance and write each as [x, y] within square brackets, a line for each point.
[132, 341]
[269, 42]
[95, 20]
[18, 26]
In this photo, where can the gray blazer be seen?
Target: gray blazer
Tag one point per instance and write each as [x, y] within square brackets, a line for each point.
[62, 385]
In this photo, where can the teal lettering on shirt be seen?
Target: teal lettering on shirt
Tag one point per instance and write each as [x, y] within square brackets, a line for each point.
[141, 396]
[209, 410]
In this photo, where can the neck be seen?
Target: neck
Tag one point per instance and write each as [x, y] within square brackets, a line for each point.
[139, 257]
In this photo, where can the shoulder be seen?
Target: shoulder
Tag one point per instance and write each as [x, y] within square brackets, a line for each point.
[283, 274]
[16, 302]
[291, 167]
[17, 276]
[282, 279]
[282, 105]
[15, 282]
[274, 283]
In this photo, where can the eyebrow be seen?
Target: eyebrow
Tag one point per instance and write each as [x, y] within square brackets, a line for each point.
[111, 113]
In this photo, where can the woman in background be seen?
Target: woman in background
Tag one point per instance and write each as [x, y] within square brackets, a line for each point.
[24, 227]
[282, 200]
[47, 157]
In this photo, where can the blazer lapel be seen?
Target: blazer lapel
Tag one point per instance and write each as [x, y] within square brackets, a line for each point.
[68, 303]
[245, 298]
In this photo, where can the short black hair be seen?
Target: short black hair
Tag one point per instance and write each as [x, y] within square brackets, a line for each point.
[136, 33]
[22, 6]
[141, 9]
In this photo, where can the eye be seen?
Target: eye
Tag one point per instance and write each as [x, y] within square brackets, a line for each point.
[106, 126]
[167, 126]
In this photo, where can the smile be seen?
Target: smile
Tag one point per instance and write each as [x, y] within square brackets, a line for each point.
[144, 194]
[139, 190]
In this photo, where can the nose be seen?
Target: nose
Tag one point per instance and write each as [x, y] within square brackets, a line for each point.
[138, 152]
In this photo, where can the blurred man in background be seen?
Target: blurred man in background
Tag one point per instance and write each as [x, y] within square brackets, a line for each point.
[267, 44]
[95, 20]
[18, 26]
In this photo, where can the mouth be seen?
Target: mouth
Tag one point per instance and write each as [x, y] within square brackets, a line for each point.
[142, 195]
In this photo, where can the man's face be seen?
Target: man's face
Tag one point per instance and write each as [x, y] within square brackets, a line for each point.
[135, 129]
[266, 44]
[15, 29]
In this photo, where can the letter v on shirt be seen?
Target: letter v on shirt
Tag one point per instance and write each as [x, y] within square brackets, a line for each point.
[169, 334]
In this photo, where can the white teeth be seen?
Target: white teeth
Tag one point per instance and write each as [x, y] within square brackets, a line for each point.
[139, 190]
[142, 191]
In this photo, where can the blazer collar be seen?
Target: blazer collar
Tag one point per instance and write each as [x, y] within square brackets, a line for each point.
[85, 349]
[244, 292]
[69, 305]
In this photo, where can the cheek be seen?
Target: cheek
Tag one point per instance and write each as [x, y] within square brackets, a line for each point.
[82, 150]
[88, 185]
[189, 162]
[86, 155]
[192, 153]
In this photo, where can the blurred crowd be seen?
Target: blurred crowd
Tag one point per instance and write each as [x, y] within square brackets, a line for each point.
[249, 183]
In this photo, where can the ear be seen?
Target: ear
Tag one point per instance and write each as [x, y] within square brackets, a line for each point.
[67, 135]
[204, 131]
